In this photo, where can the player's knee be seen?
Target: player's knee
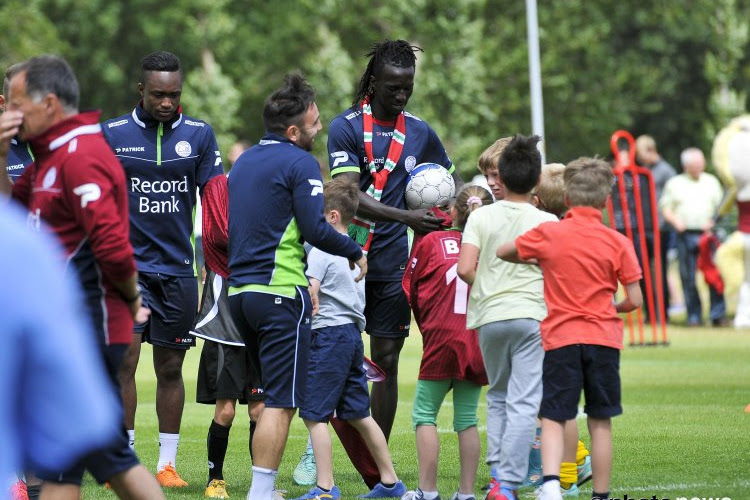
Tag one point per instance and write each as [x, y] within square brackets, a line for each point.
[463, 422]
[224, 414]
[255, 408]
[169, 372]
[423, 416]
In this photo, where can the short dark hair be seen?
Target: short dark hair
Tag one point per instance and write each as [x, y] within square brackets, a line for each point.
[9, 73]
[521, 164]
[397, 53]
[287, 105]
[50, 74]
[160, 61]
[343, 195]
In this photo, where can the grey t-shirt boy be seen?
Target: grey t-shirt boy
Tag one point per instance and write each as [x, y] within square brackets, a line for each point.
[342, 300]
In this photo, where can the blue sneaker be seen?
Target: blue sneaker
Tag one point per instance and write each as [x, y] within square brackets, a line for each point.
[584, 471]
[570, 492]
[380, 491]
[318, 494]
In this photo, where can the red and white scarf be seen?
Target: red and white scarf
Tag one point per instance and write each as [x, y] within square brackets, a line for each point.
[361, 229]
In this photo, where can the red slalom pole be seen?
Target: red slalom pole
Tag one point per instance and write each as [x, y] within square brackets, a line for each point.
[627, 165]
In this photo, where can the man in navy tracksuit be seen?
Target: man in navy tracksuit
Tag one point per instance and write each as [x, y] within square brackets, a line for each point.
[275, 205]
[166, 156]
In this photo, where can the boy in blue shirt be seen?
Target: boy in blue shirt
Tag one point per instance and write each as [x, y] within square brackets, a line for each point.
[338, 320]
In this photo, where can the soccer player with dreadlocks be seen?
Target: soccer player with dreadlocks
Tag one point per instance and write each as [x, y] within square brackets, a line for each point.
[376, 143]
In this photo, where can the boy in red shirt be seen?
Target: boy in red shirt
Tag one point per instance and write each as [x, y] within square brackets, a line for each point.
[582, 334]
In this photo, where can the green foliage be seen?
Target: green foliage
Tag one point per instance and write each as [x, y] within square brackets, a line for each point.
[649, 67]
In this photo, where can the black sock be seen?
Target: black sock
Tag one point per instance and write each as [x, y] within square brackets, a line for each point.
[250, 439]
[33, 491]
[320, 488]
[599, 496]
[388, 485]
[551, 478]
[217, 441]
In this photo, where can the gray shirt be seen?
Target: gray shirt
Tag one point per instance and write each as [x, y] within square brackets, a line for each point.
[342, 300]
[661, 171]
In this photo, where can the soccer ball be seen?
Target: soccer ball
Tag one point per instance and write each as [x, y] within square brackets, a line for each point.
[429, 185]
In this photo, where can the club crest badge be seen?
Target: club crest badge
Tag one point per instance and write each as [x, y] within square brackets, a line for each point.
[183, 149]
[410, 163]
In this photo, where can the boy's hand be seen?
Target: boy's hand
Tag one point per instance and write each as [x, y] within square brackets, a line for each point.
[315, 301]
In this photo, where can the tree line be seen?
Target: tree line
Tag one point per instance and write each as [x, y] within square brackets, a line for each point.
[672, 69]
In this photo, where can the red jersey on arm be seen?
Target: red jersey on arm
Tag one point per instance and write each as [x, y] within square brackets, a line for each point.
[215, 202]
[76, 188]
[438, 298]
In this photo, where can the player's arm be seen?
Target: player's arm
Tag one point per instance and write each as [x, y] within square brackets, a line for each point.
[91, 192]
[307, 198]
[633, 298]
[10, 121]
[314, 290]
[467, 262]
[210, 161]
[422, 221]
[509, 252]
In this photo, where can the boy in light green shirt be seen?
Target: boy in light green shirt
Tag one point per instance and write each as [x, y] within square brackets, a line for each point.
[506, 306]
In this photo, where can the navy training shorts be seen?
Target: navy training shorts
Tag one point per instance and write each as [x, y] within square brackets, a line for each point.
[280, 326]
[173, 301]
[336, 379]
[387, 310]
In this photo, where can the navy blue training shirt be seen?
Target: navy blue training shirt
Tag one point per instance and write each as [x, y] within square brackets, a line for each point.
[275, 205]
[386, 260]
[164, 162]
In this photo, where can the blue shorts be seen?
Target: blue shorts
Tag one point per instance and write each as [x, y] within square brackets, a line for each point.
[336, 378]
[281, 328]
[387, 309]
[568, 370]
[173, 301]
[117, 457]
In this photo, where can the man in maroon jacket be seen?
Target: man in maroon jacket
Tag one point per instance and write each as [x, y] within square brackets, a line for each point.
[76, 189]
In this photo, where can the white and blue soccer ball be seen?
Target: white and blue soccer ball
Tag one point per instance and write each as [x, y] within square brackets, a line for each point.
[429, 185]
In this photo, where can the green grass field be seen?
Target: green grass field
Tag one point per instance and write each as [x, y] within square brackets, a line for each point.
[684, 432]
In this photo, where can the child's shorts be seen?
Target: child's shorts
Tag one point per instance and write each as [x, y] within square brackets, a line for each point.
[567, 370]
[429, 399]
[336, 378]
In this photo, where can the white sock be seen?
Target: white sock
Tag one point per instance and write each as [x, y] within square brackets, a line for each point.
[167, 450]
[429, 495]
[309, 445]
[131, 438]
[262, 483]
[464, 496]
[551, 487]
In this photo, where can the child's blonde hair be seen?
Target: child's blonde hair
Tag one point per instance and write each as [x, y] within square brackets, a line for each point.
[588, 182]
[469, 199]
[490, 158]
[342, 195]
[551, 189]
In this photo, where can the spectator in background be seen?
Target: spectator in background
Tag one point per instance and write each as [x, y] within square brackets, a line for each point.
[649, 157]
[688, 204]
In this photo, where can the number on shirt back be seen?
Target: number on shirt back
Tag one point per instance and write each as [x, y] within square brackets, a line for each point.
[462, 289]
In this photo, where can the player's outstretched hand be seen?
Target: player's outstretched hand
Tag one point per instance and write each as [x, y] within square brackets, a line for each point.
[362, 265]
[422, 221]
